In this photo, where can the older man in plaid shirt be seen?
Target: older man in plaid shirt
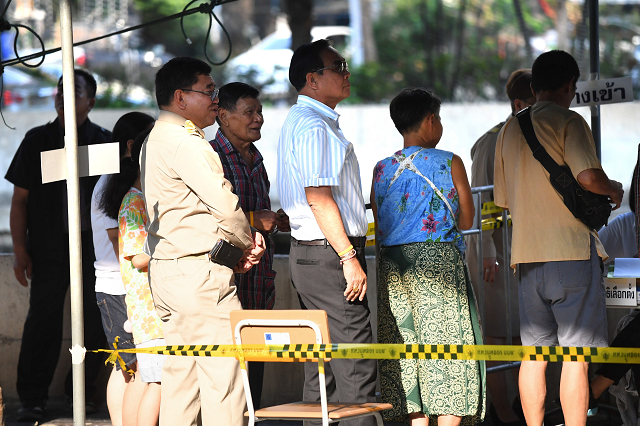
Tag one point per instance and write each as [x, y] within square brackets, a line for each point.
[240, 119]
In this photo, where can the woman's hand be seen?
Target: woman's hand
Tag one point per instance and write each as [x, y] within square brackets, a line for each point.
[489, 269]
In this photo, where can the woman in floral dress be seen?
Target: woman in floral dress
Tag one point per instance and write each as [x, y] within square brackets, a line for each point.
[421, 199]
[143, 319]
[145, 322]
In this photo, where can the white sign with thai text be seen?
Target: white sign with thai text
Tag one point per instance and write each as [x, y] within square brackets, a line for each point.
[621, 292]
[601, 92]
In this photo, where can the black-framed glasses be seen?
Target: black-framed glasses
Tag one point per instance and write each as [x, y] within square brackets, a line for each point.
[213, 94]
[340, 68]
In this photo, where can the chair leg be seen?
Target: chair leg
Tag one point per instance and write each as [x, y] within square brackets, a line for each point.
[305, 423]
[378, 418]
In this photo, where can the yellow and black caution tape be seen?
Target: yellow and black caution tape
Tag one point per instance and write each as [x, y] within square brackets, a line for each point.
[114, 357]
[490, 208]
[493, 223]
[396, 351]
[371, 235]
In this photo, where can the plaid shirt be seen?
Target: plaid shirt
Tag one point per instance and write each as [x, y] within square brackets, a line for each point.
[256, 288]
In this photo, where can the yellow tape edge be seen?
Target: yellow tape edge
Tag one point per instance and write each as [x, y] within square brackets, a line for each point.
[397, 351]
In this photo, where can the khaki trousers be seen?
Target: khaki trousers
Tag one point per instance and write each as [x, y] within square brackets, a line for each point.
[193, 298]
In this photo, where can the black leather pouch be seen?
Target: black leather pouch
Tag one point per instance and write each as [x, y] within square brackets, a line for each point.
[226, 254]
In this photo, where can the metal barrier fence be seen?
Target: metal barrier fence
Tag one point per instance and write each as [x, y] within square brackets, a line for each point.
[504, 267]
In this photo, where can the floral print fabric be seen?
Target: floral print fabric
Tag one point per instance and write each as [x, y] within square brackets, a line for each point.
[141, 311]
[409, 210]
[425, 297]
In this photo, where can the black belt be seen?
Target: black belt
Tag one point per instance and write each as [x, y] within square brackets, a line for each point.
[357, 242]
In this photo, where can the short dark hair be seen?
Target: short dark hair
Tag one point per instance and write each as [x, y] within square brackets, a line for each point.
[306, 59]
[89, 81]
[129, 126]
[552, 70]
[519, 85]
[410, 108]
[119, 184]
[231, 93]
[179, 73]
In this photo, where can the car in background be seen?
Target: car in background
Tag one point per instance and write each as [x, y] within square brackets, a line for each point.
[266, 65]
[21, 91]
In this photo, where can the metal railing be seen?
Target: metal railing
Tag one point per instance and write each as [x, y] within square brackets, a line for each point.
[504, 267]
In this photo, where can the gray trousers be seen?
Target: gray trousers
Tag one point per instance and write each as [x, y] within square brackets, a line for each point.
[316, 274]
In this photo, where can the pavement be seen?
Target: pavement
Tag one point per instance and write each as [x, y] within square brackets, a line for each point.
[59, 414]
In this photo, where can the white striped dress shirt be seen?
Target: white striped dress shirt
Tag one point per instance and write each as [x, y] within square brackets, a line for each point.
[312, 151]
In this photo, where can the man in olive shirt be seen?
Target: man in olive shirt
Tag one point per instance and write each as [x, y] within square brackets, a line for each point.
[561, 293]
[190, 206]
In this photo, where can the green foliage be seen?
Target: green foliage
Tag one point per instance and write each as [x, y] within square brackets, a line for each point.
[169, 33]
[417, 47]
[110, 100]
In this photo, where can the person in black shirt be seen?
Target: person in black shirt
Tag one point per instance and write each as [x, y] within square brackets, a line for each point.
[40, 233]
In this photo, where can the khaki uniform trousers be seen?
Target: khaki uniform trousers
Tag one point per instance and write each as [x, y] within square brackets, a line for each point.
[194, 298]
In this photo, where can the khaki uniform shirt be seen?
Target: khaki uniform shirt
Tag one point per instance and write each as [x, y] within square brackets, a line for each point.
[483, 155]
[189, 202]
[543, 228]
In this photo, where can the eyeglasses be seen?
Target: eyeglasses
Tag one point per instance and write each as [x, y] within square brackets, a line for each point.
[341, 68]
[213, 94]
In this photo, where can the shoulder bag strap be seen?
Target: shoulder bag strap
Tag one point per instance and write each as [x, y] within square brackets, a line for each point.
[414, 169]
[540, 154]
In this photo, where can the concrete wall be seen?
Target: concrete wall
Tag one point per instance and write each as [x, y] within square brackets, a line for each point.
[373, 135]
[282, 382]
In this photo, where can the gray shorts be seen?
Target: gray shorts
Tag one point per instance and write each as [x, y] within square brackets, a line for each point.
[563, 303]
[113, 310]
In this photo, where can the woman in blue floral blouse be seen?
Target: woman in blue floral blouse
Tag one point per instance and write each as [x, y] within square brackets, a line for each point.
[421, 200]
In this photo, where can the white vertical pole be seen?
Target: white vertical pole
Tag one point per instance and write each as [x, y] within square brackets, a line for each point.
[73, 204]
[355, 22]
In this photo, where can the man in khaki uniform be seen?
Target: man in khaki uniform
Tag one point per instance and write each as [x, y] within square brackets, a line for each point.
[561, 294]
[495, 301]
[190, 206]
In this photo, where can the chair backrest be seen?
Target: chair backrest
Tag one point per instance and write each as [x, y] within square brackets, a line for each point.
[279, 327]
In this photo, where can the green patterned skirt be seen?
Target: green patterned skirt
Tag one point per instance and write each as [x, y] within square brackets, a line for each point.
[425, 297]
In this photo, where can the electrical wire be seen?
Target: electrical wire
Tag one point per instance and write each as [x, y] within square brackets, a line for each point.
[212, 16]
[2, 100]
[205, 7]
[15, 45]
[206, 55]
[2, 91]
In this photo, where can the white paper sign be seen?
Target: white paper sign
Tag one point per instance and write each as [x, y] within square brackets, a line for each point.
[626, 268]
[621, 292]
[277, 339]
[93, 160]
[601, 92]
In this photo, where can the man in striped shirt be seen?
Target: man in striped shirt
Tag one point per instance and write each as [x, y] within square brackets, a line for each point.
[320, 190]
